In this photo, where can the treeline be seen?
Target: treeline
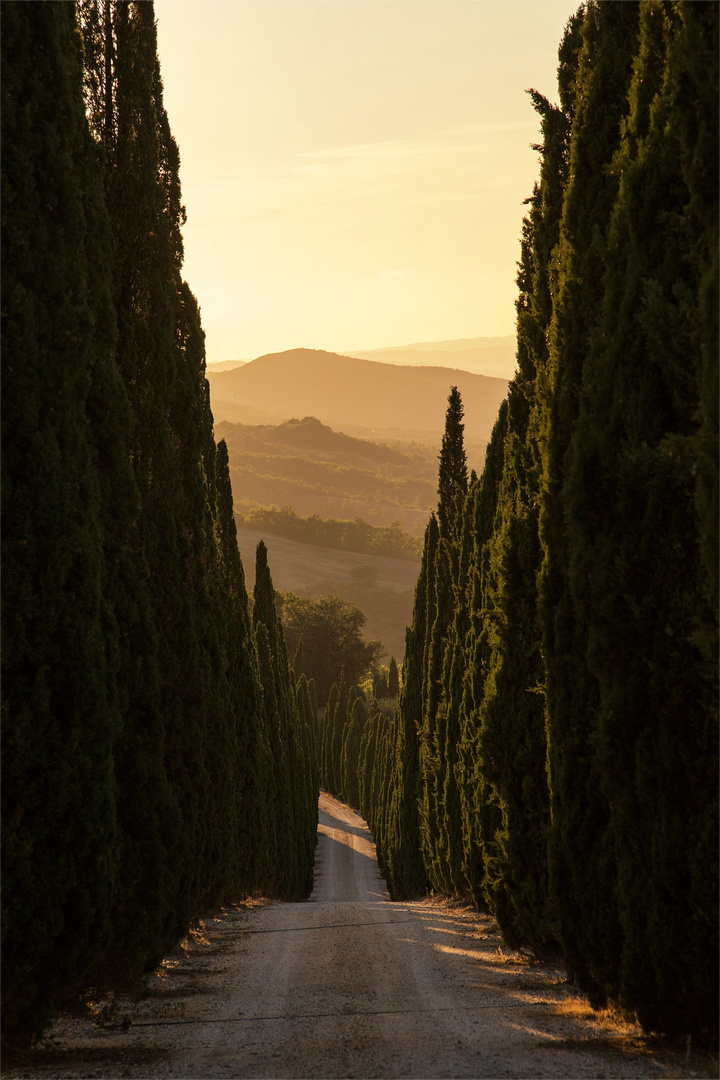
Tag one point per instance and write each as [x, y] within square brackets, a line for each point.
[356, 535]
[271, 478]
[348, 732]
[554, 752]
[157, 753]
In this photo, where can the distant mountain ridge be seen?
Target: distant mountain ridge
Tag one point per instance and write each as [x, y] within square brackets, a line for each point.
[494, 356]
[351, 391]
[227, 365]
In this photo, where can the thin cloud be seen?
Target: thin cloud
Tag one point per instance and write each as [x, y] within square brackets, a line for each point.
[392, 275]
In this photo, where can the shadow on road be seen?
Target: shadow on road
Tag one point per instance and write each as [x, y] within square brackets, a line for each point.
[342, 826]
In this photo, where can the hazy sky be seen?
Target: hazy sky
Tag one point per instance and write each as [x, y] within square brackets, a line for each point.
[354, 170]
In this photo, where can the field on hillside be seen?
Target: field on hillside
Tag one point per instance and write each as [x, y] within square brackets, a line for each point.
[315, 470]
[381, 587]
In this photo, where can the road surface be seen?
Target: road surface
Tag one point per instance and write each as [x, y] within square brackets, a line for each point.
[349, 984]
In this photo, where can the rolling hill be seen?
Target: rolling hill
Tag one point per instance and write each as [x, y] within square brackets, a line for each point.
[353, 393]
[315, 470]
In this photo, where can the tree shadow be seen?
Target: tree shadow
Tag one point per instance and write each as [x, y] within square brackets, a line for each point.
[342, 826]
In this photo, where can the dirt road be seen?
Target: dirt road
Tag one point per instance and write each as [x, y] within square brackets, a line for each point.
[349, 984]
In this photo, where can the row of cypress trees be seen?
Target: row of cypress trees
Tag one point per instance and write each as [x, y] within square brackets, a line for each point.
[554, 752]
[152, 767]
[339, 730]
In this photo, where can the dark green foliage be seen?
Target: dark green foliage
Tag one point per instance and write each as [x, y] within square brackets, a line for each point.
[428, 760]
[140, 769]
[452, 474]
[333, 645]
[636, 572]
[555, 748]
[478, 812]
[504, 717]
[292, 753]
[352, 737]
[255, 825]
[402, 857]
[380, 685]
[581, 862]
[297, 663]
[440, 816]
[325, 737]
[355, 535]
[61, 713]
[393, 679]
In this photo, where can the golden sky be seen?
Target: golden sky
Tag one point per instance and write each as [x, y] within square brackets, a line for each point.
[354, 170]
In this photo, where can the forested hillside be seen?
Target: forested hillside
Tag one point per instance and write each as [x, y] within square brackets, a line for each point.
[317, 471]
[157, 749]
[554, 753]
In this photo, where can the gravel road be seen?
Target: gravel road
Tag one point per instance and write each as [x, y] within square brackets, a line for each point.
[349, 984]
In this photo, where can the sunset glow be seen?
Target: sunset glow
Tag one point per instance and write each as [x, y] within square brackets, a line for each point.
[354, 171]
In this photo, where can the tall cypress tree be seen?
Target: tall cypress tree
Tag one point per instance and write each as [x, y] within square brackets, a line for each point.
[452, 473]
[406, 875]
[438, 777]
[511, 749]
[295, 791]
[635, 562]
[429, 765]
[61, 713]
[128, 660]
[393, 678]
[582, 869]
[255, 828]
[478, 813]
[352, 738]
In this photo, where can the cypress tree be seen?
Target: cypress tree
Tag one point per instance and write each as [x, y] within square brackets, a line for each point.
[285, 726]
[511, 751]
[635, 560]
[438, 780]
[138, 681]
[352, 738]
[452, 473]
[393, 679]
[61, 713]
[255, 837]
[366, 760]
[273, 868]
[327, 729]
[406, 874]
[581, 861]
[339, 721]
[478, 813]
[450, 824]
[427, 752]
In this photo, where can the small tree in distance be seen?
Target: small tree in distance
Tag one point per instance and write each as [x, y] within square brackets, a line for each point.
[393, 679]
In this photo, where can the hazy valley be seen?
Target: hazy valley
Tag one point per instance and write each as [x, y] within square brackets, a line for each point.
[348, 438]
[375, 400]
[315, 470]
